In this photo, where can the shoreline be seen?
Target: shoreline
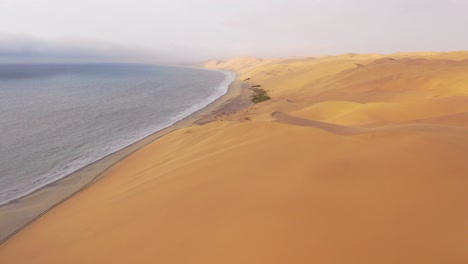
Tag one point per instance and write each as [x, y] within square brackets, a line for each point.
[64, 171]
[21, 212]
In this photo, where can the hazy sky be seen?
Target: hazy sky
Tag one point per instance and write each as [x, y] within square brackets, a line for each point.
[187, 30]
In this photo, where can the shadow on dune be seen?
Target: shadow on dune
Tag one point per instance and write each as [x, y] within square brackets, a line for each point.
[414, 126]
[332, 128]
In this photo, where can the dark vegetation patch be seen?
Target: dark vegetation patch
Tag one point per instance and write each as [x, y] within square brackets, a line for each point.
[259, 95]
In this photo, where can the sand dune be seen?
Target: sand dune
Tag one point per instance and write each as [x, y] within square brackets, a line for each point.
[356, 159]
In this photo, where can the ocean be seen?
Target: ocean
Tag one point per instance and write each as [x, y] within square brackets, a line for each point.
[56, 119]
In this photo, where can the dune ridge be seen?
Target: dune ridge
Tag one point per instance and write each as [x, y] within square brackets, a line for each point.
[355, 159]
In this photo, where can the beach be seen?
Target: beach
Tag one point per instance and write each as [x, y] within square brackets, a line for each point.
[20, 212]
[355, 159]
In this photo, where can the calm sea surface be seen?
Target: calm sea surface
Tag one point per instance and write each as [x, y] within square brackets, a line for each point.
[55, 119]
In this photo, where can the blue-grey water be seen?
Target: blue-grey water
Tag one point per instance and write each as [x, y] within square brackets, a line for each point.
[55, 119]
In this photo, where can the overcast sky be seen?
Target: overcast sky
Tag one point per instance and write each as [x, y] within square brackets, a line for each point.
[188, 30]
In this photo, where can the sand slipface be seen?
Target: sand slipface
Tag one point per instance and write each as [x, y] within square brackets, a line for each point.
[356, 159]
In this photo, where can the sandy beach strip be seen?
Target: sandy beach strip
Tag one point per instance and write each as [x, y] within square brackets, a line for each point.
[17, 214]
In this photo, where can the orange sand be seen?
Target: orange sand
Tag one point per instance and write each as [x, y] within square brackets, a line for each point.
[356, 159]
